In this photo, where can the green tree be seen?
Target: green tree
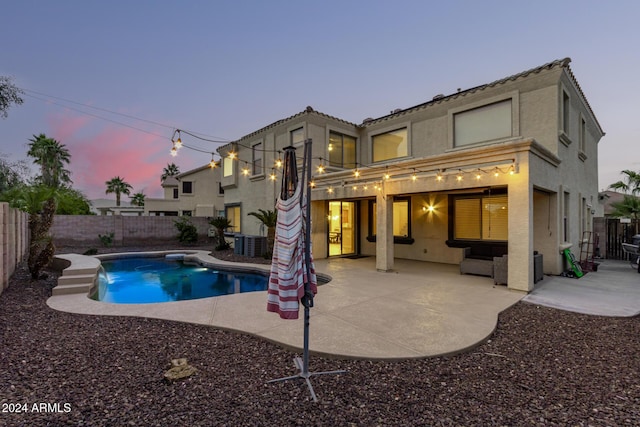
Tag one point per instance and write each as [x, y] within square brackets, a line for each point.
[118, 186]
[39, 201]
[171, 170]
[12, 174]
[72, 202]
[270, 219]
[631, 183]
[220, 224]
[9, 94]
[138, 199]
[51, 156]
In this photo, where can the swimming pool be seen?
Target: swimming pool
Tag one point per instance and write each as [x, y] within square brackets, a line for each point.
[151, 280]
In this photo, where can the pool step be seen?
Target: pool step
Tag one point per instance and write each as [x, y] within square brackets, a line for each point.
[78, 288]
[76, 279]
[79, 276]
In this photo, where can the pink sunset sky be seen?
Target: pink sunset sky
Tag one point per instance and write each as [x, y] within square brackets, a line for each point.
[100, 153]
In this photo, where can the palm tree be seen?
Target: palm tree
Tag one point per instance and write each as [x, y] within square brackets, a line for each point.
[629, 207]
[118, 186]
[39, 201]
[220, 224]
[138, 199]
[632, 184]
[51, 156]
[270, 220]
[170, 170]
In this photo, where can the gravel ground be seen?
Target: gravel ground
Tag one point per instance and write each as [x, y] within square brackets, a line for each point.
[541, 367]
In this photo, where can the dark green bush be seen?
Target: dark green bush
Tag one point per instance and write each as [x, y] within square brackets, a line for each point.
[187, 232]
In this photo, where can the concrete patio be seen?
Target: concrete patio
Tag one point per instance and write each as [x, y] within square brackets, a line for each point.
[419, 310]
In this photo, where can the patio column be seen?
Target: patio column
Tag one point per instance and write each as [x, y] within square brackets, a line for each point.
[520, 262]
[384, 232]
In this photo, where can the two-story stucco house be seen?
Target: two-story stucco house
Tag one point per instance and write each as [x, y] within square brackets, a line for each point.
[194, 193]
[509, 167]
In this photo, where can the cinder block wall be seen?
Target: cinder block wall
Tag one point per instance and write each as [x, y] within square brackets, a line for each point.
[14, 241]
[84, 230]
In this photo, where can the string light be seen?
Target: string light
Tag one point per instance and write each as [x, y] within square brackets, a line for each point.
[245, 171]
[212, 163]
[174, 151]
[356, 173]
[321, 168]
[278, 163]
[272, 177]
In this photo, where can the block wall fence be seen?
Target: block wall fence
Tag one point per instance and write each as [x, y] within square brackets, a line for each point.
[84, 230]
[14, 241]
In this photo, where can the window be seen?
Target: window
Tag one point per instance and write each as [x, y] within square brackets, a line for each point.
[186, 213]
[481, 124]
[342, 150]
[390, 145]
[175, 193]
[227, 166]
[256, 156]
[297, 136]
[583, 135]
[187, 187]
[481, 218]
[401, 218]
[233, 214]
[566, 112]
[220, 189]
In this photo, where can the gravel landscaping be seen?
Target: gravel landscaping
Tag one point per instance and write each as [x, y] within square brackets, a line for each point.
[541, 367]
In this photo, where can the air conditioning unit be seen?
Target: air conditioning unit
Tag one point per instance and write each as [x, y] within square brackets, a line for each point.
[255, 246]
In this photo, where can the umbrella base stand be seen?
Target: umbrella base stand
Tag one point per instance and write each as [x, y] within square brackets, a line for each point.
[306, 375]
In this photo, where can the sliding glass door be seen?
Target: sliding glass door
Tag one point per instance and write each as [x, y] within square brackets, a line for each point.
[342, 228]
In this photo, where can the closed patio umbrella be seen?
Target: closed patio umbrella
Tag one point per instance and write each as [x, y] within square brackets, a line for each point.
[292, 278]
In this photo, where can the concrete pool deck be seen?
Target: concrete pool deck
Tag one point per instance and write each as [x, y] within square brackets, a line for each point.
[420, 309]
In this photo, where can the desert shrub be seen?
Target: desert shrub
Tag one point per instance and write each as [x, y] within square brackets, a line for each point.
[187, 232]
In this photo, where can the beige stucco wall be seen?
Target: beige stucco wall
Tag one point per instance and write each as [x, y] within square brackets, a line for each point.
[553, 174]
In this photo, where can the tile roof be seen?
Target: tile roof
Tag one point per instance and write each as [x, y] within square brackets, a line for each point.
[563, 63]
[306, 111]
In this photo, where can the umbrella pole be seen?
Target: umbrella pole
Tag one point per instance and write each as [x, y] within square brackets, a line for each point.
[307, 299]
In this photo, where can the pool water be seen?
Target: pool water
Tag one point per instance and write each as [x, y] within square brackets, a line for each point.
[150, 280]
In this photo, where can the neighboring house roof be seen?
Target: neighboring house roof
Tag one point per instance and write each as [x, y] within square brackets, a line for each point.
[192, 171]
[170, 181]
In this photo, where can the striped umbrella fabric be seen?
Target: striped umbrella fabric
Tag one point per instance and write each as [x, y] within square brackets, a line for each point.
[289, 273]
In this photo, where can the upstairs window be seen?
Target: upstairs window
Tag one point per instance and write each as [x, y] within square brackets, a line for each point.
[187, 187]
[256, 162]
[175, 193]
[227, 166]
[342, 150]
[390, 145]
[566, 112]
[297, 136]
[485, 123]
[583, 135]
